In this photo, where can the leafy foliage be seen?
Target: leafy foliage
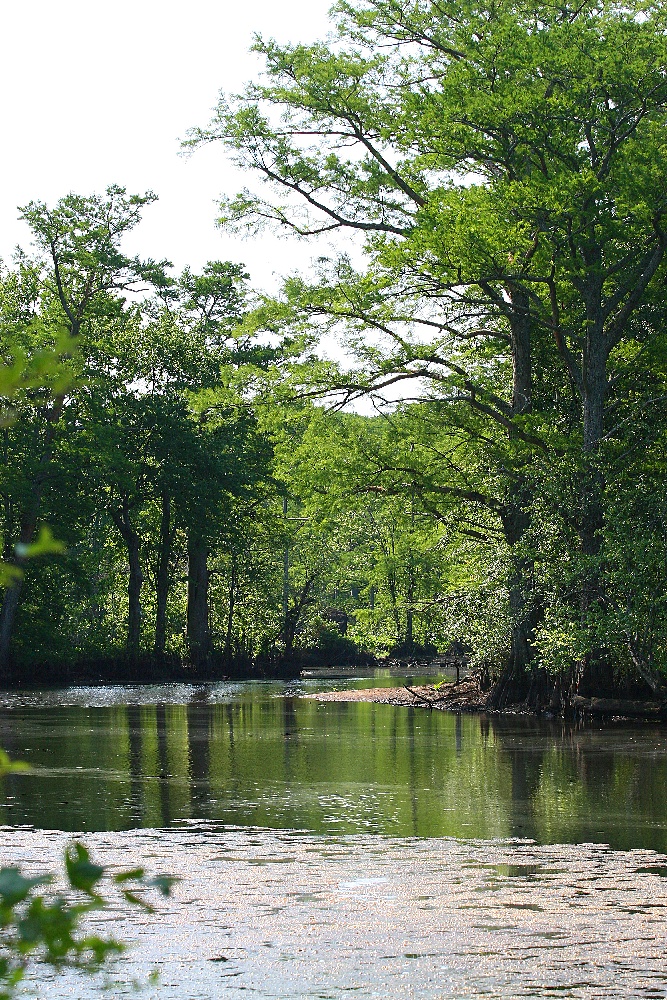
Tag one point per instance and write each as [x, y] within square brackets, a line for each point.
[50, 927]
[501, 170]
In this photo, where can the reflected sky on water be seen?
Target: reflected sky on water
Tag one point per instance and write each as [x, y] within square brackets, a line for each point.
[278, 915]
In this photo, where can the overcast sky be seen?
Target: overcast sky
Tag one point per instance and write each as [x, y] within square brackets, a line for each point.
[96, 93]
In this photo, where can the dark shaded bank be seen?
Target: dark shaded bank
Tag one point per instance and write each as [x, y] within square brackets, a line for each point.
[146, 669]
[595, 686]
[151, 669]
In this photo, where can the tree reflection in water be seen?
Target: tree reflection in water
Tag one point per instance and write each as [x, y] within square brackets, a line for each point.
[251, 758]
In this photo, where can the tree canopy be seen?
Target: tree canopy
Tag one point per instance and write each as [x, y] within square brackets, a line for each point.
[500, 171]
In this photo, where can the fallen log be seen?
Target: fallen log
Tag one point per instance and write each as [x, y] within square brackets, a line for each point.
[620, 706]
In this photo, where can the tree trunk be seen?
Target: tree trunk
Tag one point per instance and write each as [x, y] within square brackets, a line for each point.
[392, 590]
[121, 518]
[522, 363]
[230, 610]
[162, 576]
[134, 596]
[409, 627]
[646, 669]
[7, 617]
[411, 586]
[594, 396]
[303, 600]
[512, 685]
[409, 603]
[591, 525]
[199, 637]
[594, 381]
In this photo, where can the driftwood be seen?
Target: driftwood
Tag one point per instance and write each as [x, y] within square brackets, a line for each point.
[426, 699]
[619, 706]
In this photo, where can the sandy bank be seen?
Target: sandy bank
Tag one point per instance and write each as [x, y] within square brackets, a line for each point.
[463, 697]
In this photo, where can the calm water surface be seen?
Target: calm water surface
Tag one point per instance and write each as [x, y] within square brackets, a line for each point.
[328, 848]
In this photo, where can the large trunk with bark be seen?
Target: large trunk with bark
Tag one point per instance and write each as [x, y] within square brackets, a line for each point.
[199, 636]
[513, 683]
[514, 680]
[162, 576]
[522, 362]
[594, 381]
[592, 484]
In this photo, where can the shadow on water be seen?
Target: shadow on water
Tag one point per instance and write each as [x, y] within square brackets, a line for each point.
[292, 763]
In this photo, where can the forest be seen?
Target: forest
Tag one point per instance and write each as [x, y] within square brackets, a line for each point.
[191, 486]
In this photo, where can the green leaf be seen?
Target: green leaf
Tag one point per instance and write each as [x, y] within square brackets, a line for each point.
[135, 900]
[15, 887]
[133, 873]
[45, 545]
[82, 873]
[164, 883]
[8, 766]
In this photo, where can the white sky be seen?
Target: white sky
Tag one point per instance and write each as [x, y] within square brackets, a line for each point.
[96, 93]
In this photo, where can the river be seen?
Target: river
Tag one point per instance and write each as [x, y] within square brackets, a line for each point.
[336, 849]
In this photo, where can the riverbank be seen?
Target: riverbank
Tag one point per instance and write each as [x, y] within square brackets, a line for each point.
[467, 696]
[463, 697]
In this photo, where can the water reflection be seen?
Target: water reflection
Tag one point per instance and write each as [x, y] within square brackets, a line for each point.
[292, 763]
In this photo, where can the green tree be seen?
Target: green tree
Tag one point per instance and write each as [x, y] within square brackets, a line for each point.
[360, 550]
[504, 169]
[76, 280]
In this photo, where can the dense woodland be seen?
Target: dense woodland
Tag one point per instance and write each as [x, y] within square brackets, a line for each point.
[186, 483]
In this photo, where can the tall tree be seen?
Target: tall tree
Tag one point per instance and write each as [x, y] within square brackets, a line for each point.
[79, 275]
[501, 165]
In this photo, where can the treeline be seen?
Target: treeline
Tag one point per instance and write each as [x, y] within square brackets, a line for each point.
[502, 168]
[199, 518]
